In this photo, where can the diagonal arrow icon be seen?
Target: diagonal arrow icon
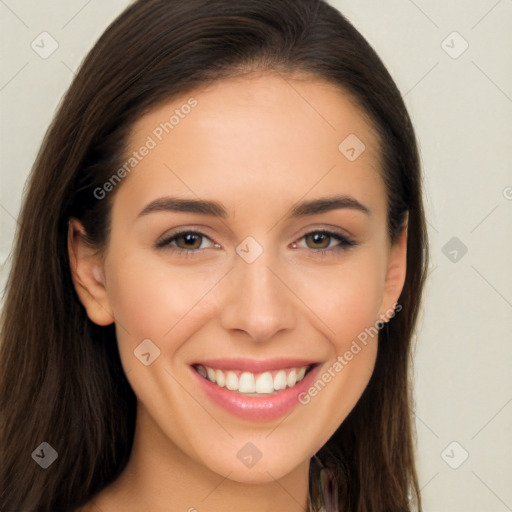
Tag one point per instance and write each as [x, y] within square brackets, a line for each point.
[146, 352]
[454, 253]
[249, 253]
[351, 147]
[249, 455]
[44, 455]
[454, 45]
[454, 455]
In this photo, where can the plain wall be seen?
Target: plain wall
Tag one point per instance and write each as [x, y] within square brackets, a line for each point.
[461, 105]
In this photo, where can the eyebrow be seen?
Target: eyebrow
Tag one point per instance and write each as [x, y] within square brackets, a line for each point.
[215, 209]
[326, 204]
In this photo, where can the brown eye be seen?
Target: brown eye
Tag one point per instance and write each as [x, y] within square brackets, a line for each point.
[324, 242]
[318, 240]
[188, 241]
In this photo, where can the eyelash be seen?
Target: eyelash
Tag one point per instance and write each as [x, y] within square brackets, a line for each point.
[344, 243]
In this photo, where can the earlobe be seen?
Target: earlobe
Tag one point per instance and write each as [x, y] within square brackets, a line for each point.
[395, 275]
[88, 277]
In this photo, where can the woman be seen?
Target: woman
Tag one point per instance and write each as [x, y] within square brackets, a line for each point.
[217, 273]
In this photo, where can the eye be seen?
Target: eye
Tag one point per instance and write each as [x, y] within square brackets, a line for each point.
[325, 241]
[189, 241]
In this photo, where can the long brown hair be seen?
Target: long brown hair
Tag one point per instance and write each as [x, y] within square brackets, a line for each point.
[61, 379]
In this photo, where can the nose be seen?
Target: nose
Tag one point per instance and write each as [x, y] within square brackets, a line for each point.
[258, 301]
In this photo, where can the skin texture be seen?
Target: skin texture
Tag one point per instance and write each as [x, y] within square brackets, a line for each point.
[258, 144]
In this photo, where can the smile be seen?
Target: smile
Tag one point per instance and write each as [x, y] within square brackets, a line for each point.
[254, 384]
[255, 390]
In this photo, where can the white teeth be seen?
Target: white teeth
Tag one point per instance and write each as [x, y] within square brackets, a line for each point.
[280, 380]
[292, 378]
[248, 382]
[232, 381]
[220, 379]
[265, 383]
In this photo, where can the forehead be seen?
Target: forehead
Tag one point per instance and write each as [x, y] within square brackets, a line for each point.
[266, 133]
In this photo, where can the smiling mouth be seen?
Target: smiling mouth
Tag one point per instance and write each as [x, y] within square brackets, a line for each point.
[254, 384]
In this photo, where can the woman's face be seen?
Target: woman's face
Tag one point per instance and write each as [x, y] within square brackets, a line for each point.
[248, 244]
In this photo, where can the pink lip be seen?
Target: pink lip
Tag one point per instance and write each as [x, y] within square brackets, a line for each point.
[255, 365]
[265, 408]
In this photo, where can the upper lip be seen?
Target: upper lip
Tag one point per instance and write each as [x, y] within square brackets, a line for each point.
[255, 365]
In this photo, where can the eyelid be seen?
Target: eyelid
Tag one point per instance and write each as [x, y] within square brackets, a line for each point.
[180, 230]
[326, 228]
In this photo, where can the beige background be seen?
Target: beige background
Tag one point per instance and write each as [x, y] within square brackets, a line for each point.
[461, 104]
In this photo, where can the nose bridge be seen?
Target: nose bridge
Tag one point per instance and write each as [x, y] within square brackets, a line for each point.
[258, 302]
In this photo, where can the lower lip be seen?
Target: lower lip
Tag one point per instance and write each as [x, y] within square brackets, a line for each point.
[265, 408]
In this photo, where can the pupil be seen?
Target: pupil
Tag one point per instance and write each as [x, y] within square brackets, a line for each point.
[319, 239]
[190, 239]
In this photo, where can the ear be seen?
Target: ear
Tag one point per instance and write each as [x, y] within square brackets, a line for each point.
[395, 274]
[88, 277]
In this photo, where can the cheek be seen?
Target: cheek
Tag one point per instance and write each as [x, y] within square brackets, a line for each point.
[151, 300]
[348, 303]
[346, 297]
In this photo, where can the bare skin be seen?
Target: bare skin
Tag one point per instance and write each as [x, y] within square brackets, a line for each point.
[259, 145]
